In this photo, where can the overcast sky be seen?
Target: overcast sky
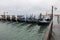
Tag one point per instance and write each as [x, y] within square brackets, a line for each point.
[29, 6]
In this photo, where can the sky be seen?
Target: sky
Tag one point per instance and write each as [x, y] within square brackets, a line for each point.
[28, 6]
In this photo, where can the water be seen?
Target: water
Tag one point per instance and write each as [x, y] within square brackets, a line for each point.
[56, 20]
[21, 31]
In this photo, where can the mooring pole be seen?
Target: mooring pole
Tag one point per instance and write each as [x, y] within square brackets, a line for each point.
[58, 19]
[52, 13]
[52, 21]
[4, 15]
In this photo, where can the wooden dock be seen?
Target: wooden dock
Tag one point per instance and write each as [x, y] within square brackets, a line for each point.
[48, 32]
[53, 32]
[56, 32]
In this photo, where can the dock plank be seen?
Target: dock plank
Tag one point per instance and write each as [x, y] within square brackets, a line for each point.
[56, 32]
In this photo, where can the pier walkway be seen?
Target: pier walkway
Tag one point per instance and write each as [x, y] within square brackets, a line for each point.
[56, 32]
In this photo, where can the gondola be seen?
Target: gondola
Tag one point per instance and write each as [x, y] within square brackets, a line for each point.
[45, 21]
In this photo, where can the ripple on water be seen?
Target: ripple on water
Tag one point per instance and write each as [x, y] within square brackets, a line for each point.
[20, 31]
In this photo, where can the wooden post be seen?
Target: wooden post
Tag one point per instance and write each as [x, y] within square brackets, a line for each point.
[52, 22]
[4, 15]
[58, 19]
[52, 13]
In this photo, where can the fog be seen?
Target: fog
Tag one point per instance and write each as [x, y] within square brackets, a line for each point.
[27, 7]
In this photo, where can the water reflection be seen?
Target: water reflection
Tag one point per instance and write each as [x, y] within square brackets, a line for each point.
[30, 26]
[42, 28]
[56, 20]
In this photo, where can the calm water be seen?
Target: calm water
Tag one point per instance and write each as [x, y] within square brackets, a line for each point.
[21, 31]
[56, 20]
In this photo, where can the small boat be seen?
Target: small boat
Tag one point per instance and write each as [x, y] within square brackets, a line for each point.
[45, 21]
[13, 18]
[3, 17]
[31, 20]
[20, 19]
[8, 18]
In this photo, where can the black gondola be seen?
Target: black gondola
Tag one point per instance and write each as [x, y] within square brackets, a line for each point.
[8, 18]
[45, 21]
[20, 19]
[3, 18]
[13, 18]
